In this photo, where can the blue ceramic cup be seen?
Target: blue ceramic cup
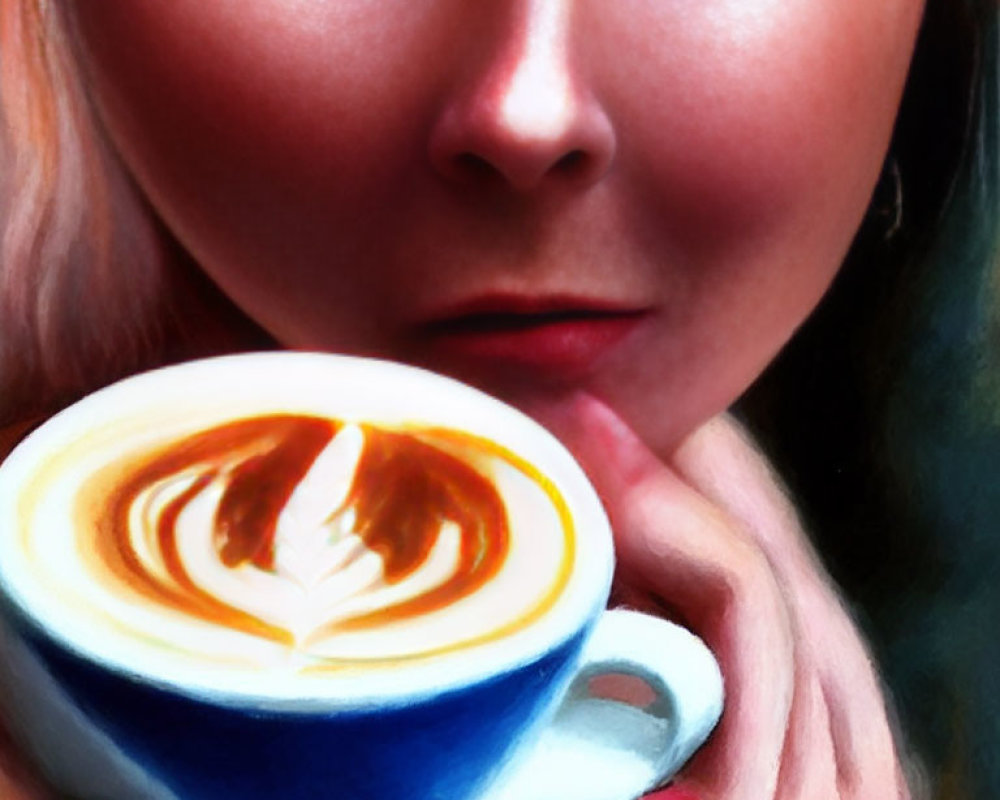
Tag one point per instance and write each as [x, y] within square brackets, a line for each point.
[214, 584]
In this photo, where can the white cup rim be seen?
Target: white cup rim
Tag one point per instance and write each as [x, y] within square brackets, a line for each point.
[466, 409]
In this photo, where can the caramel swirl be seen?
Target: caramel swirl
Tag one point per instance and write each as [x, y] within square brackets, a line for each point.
[404, 501]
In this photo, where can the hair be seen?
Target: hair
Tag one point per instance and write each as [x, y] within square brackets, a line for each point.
[90, 285]
[883, 413]
[79, 260]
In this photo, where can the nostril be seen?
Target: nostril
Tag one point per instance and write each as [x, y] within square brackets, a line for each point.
[473, 166]
[573, 163]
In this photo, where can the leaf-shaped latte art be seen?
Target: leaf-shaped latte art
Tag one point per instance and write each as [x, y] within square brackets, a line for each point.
[298, 529]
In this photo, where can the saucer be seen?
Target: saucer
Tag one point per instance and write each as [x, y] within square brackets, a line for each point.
[596, 749]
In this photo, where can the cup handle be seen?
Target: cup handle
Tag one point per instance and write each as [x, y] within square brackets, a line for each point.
[595, 748]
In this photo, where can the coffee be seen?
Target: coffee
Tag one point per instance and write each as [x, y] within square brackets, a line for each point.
[290, 574]
[296, 542]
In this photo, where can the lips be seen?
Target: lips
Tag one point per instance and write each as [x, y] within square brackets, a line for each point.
[555, 336]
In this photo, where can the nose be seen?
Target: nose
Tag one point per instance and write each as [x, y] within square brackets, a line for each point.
[524, 116]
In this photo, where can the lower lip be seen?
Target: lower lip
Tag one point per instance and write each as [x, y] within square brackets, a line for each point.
[561, 348]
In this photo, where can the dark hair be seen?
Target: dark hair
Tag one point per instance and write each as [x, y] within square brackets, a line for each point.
[883, 412]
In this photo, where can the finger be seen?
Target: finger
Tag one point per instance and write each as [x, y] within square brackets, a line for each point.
[674, 542]
[722, 462]
[839, 743]
[16, 779]
[808, 768]
[864, 744]
[720, 456]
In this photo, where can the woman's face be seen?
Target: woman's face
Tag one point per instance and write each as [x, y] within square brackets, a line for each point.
[639, 198]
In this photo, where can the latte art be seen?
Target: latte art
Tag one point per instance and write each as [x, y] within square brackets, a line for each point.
[290, 528]
[302, 543]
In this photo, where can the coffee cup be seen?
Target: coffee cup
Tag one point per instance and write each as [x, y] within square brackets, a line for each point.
[304, 575]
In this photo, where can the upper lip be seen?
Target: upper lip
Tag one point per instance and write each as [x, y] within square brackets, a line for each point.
[498, 311]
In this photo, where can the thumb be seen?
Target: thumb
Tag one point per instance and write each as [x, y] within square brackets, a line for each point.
[673, 542]
[668, 536]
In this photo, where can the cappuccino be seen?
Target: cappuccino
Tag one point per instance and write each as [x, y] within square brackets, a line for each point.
[291, 574]
[282, 544]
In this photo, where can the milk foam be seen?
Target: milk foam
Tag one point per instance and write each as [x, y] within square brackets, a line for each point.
[334, 611]
[324, 576]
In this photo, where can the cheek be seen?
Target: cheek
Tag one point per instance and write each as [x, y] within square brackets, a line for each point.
[263, 122]
[262, 131]
[758, 121]
[749, 134]
[754, 147]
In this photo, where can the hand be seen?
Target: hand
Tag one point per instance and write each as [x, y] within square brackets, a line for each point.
[17, 779]
[708, 538]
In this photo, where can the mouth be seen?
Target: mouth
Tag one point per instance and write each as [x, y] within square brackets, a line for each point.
[559, 337]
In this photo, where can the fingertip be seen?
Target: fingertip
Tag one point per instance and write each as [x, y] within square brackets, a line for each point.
[611, 451]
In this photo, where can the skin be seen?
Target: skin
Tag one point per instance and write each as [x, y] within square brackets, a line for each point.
[313, 158]
[345, 171]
